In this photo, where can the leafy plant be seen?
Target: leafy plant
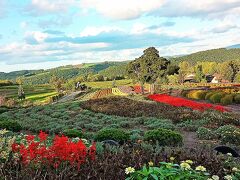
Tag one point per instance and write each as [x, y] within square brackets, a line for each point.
[72, 133]
[112, 134]
[10, 125]
[164, 137]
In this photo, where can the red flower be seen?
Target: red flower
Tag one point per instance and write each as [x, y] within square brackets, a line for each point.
[61, 150]
[179, 102]
[42, 136]
[30, 138]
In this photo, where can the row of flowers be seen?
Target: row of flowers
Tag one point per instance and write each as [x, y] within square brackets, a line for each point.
[45, 150]
[171, 170]
[181, 102]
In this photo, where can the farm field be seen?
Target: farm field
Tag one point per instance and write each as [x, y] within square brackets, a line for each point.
[108, 84]
[37, 93]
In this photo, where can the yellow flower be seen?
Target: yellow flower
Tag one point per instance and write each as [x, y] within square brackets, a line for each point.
[189, 161]
[150, 163]
[172, 158]
[129, 170]
[228, 177]
[185, 166]
[200, 168]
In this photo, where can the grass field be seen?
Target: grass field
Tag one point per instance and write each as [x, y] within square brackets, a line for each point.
[108, 84]
[34, 93]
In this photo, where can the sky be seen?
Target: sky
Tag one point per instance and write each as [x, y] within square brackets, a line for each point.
[41, 34]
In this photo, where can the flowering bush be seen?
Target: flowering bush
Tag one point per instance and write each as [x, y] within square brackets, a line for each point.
[176, 101]
[41, 150]
[5, 145]
[168, 171]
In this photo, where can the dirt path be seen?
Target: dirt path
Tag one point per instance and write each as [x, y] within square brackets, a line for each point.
[70, 96]
[190, 139]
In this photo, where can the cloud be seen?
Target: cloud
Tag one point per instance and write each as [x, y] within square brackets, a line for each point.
[2, 8]
[125, 9]
[192, 8]
[222, 28]
[122, 9]
[44, 7]
[35, 37]
[59, 21]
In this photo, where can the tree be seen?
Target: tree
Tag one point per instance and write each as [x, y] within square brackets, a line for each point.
[148, 67]
[19, 80]
[199, 76]
[185, 69]
[229, 70]
[56, 83]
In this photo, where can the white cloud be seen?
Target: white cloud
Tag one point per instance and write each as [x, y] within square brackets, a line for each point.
[122, 9]
[93, 31]
[33, 37]
[131, 9]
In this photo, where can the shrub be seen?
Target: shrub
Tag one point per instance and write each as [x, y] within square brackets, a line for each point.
[164, 137]
[112, 134]
[72, 133]
[216, 98]
[226, 100]
[184, 93]
[199, 94]
[229, 134]
[205, 133]
[237, 98]
[208, 95]
[10, 125]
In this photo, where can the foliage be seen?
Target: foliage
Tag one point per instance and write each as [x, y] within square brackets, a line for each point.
[112, 134]
[164, 137]
[229, 134]
[214, 55]
[168, 170]
[10, 125]
[205, 133]
[237, 98]
[226, 100]
[216, 97]
[149, 67]
[72, 133]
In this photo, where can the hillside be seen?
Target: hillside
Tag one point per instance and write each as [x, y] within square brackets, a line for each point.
[217, 55]
[66, 72]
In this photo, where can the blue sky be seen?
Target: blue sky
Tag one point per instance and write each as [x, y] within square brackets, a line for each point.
[38, 34]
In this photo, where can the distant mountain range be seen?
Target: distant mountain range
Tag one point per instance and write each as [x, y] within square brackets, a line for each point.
[117, 68]
[216, 55]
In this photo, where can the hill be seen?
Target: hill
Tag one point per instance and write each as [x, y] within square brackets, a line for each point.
[217, 55]
[65, 72]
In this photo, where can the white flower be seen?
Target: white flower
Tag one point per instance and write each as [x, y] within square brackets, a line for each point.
[200, 168]
[235, 169]
[185, 166]
[215, 177]
[129, 170]
[229, 154]
[228, 177]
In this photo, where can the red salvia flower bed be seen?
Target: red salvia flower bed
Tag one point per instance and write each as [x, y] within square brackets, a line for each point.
[181, 102]
[62, 149]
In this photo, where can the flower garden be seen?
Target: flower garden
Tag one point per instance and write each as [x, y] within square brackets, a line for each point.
[68, 140]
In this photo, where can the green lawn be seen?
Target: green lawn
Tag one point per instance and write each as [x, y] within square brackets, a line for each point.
[34, 93]
[108, 84]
